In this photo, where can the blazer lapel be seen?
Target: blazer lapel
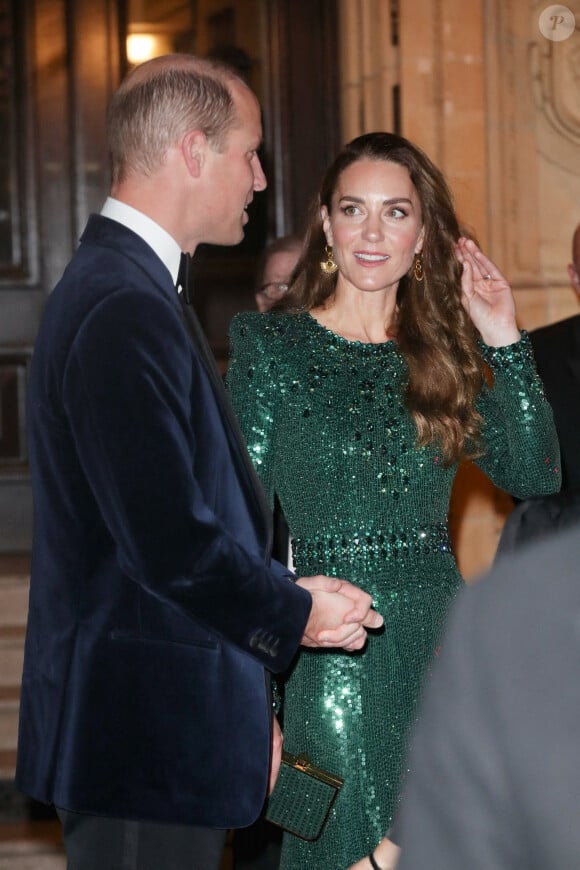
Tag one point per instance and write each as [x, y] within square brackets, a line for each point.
[234, 435]
[105, 231]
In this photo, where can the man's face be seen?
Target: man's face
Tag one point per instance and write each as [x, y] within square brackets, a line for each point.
[277, 273]
[574, 275]
[235, 173]
[574, 267]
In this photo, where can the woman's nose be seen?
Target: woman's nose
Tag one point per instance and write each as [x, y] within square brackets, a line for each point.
[373, 229]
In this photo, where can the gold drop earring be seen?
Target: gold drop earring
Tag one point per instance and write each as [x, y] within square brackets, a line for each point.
[328, 266]
[418, 268]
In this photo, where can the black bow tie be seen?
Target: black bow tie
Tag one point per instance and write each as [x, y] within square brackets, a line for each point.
[184, 283]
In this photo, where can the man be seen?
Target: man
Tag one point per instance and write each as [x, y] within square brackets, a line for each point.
[275, 270]
[495, 760]
[145, 713]
[557, 352]
[537, 518]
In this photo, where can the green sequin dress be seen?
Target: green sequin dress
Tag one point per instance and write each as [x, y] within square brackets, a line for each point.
[327, 431]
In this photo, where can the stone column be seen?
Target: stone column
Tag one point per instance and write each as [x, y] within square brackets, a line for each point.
[369, 66]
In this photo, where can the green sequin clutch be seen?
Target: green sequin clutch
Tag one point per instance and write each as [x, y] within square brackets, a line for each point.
[302, 797]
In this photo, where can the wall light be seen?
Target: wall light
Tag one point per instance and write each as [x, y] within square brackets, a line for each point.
[142, 47]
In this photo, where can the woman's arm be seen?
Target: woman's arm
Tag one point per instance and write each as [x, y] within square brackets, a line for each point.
[385, 856]
[521, 451]
[522, 454]
[251, 384]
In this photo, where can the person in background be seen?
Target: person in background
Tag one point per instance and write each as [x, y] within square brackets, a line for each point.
[557, 352]
[358, 396]
[273, 277]
[275, 269]
[495, 759]
[155, 614]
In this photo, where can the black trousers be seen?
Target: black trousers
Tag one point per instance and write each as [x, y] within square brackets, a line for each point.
[98, 843]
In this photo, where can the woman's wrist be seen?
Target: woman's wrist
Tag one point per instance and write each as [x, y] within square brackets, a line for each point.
[502, 337]
[385, 855]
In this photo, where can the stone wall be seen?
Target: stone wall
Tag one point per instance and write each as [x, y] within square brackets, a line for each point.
[491, 91]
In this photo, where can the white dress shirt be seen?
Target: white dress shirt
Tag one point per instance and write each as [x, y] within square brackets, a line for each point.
[156, 237]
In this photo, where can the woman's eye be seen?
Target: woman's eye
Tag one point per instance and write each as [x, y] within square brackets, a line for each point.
[350, 210]
[398, 213]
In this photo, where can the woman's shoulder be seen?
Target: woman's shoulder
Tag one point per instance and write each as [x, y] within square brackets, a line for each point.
[271, 327]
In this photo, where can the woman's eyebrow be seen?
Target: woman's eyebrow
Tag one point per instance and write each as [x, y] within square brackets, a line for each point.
[390, 201]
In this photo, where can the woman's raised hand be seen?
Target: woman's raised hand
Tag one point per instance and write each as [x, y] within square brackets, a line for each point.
[487, 296]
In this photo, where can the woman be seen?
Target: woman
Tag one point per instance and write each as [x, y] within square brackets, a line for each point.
[358, 396]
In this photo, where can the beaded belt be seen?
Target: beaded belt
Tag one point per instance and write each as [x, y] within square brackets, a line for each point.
[374, 545]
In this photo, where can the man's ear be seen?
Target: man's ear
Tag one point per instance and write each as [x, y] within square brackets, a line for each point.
[574, 278]
[193, 148]
[326, 225]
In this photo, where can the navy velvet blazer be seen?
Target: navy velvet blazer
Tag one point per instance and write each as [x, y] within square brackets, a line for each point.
[153, 611]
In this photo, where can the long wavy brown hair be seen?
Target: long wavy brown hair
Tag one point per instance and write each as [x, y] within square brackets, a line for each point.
[434, 332]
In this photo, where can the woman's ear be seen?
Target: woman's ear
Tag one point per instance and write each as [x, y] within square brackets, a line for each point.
[193, 148]
[420, 240]
[326, 225]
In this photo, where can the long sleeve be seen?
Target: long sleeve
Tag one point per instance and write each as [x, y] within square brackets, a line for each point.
[522, 455]
[251, 384]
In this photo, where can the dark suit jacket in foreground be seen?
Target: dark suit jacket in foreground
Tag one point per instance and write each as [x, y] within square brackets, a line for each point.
[557, 352]
[495, 766]
[153, 614]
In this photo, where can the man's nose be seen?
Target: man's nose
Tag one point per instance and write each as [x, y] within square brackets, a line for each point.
[260, 181]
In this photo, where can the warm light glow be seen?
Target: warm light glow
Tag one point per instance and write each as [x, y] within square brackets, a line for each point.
[141, 47]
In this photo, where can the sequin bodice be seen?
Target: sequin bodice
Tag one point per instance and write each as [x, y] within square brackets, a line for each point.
[328, 432]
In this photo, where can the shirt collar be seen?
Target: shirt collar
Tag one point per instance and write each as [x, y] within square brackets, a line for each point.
[156, 237]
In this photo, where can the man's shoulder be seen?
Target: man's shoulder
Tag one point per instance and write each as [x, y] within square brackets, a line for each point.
[554, 332]
[112, 260]
[539, 517]
[104, 284]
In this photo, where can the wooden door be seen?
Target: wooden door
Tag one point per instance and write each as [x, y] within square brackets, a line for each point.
[58, 64]
[289, 51]
[60, 61]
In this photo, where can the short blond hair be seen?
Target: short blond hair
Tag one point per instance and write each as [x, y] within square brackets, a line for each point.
[160, 101]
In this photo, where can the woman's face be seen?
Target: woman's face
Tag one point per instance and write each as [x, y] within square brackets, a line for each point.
[374, 225]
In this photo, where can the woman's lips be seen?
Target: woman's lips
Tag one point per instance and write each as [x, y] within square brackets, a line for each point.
[367, 258]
